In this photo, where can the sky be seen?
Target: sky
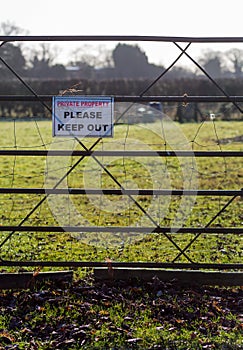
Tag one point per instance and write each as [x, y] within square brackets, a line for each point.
[205, 18]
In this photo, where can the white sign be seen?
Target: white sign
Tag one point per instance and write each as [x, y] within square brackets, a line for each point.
[82, 116]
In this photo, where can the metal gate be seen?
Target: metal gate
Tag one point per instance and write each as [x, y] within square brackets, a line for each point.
[101, 155]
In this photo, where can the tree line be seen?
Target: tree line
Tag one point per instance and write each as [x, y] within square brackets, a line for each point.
[123, 71]
[124, 61]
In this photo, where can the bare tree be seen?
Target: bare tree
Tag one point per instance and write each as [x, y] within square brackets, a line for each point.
[235, 57]
[93, 56]
[41, 61]
[44, 53]
[10, 28]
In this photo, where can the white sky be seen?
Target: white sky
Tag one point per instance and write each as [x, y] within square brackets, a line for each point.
[130, 17]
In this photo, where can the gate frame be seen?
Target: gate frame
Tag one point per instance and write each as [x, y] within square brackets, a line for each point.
[89, 152]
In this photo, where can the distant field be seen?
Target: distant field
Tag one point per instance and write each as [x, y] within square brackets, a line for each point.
[195, 173]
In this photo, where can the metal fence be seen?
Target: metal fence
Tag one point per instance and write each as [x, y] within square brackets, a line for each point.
[169, 233]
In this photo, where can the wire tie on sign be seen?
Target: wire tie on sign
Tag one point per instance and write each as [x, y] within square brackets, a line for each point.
[185, 103]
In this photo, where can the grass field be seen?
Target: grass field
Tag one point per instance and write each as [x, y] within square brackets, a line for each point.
[89, 315]
[171, 172]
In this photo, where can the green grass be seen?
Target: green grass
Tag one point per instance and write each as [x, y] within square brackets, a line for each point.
[171, 172]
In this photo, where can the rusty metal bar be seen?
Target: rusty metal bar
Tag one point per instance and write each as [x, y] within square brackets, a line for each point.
[135, 99]
[141, 192]
[123, 229]
[154, 38]
[114, 264]
[86, 153]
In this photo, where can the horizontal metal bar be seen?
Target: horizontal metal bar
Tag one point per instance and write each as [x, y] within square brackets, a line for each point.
[143, 192]
[135, 99]
[123, 229]
[114, 264]
[119, 38]
[61, 153]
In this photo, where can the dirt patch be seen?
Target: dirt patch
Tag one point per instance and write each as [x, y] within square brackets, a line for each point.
[77, 315]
